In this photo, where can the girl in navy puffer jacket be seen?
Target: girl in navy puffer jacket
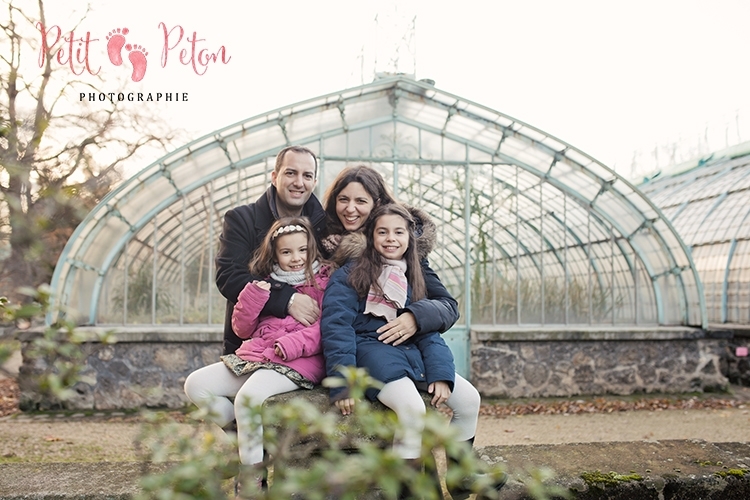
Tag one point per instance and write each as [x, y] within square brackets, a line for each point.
[363, 296]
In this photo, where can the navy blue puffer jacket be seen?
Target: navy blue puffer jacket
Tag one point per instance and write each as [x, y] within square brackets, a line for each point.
[350, 337]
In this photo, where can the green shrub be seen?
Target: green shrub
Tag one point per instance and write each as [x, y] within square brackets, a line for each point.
[58, 350]
[310, 454]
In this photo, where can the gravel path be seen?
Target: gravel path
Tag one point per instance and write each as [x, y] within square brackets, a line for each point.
[52, 439]
[713, 418]
[727, 425]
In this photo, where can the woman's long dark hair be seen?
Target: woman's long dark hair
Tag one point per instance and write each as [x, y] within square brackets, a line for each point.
[370, 179]
[265, 256]
[366, 271]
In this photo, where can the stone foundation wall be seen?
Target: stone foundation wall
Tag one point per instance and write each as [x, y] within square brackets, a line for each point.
[738, 367]
[542, 363]
[147, 368]
[143, 369]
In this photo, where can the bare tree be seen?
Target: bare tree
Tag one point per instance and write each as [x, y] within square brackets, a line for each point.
[58, 156]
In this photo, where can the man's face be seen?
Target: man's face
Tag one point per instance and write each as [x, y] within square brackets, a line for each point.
[294, 181]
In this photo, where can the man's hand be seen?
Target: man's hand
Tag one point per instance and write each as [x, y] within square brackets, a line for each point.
[440, 393]
[304, 309]
[398, 330]
[345, 405]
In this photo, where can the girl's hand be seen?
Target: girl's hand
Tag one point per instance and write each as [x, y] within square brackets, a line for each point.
[345, 405]
[440, 391]
[279, 352]
[398, 330]
[262, 284]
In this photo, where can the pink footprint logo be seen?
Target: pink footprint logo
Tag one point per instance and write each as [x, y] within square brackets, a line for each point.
[137, 58]
[115, 42]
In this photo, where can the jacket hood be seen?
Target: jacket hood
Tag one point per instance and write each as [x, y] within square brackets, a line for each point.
[425, 232]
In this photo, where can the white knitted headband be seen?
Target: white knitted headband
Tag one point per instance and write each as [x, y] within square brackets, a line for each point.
[291, 228]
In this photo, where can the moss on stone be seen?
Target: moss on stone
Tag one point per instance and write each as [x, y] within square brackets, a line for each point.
[708, 463]
[732, 472]
[609, 478]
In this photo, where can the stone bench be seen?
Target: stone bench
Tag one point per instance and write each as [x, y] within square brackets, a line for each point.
[318, 397]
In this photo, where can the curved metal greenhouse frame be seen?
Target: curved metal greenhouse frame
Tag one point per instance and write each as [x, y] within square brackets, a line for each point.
[709, 205]
[531, 230]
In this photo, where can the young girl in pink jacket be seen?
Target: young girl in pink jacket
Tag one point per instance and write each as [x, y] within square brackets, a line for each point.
[279, 354]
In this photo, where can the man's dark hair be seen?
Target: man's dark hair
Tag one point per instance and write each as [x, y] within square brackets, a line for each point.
[295, 149]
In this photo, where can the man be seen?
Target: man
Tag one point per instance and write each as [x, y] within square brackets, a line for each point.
[290, 194]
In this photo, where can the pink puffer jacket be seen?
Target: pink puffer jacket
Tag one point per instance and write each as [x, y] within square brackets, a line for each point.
[301, 344]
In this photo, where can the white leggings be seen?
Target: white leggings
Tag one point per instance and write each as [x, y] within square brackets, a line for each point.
[403, 398]
[211, 387]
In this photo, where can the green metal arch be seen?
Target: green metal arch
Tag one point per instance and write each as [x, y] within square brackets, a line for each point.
[470, 136]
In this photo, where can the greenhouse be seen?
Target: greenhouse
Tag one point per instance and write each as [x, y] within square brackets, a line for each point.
[569, 279]
[707, 201]
[532, 231]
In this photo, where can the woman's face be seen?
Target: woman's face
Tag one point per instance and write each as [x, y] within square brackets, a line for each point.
[353, 206]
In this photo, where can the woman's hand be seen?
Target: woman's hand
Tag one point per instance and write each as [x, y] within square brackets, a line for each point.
[345, 405]
[398, 330]
[304, 309]
[440, 393]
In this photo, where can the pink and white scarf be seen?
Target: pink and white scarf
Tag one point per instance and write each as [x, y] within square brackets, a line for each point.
[393, 282]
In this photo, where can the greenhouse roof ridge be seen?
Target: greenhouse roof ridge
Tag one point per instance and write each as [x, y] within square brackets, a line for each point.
[728, 153]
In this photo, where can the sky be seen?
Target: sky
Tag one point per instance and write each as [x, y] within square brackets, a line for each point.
[617, 80]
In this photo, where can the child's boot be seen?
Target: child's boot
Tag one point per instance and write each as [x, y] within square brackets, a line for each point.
[465, 486]
[250, 482]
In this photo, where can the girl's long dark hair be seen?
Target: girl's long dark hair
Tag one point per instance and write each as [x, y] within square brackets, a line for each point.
[366, 270]
[265, 256]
